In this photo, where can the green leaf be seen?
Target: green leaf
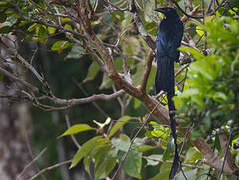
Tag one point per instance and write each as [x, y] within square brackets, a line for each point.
[42, 34]
[60, 45]
[220, 97]
[199, 30]
[133, 164]
[12, 19]
[161, 131]
[87, 162]
[106, 82]
[191, 174]
[193, 155]
[51, 30]
[145, 148]
[178, 102]
[1, 77]
[151, 79]
[120, 122]
[5, 29]
[137, 103]
[154, 159]
[204, 68]
[192, 51]
[32, 27]
[92, 71]
[164, 172]
[149, 12]
[131, 45]
[127, 19]
[169, 150]
[138, 75]
[84, 150]
[105, 162]
[76, 52]
[110, 164]
[77, 129]
[189, 93]
[123, 143]
[3, 17]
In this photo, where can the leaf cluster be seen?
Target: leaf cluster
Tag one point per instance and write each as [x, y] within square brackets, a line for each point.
[210, 99]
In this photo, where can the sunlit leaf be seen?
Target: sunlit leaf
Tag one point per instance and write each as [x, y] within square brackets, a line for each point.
[193, 155]
[77, 129]
[32, 27]
[60, 45]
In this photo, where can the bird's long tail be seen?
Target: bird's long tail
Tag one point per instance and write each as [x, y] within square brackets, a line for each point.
[171, 108]
[165, 81]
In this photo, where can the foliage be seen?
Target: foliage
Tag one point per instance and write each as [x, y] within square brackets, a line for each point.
[210, 96]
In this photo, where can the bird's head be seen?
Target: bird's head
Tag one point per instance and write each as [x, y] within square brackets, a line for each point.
[168, 12]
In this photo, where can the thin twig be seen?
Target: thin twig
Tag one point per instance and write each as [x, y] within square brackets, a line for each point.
[79, 85]
[72, 136]
[33, 161]
[225, 155]
[50, 168]
[168, 161]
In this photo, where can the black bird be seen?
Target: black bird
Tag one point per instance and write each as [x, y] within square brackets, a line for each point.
[169, 37]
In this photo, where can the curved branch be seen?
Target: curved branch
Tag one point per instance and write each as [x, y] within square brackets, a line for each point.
[188, 15]
[89, 99]
[24, 83]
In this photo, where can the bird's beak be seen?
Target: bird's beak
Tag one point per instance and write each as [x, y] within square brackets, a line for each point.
[159, 10]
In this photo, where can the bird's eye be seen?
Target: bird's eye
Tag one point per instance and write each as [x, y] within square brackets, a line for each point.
[168, 10]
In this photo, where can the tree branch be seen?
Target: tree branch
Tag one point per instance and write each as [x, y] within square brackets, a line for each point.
[140, 26]
[228, 156]
[210, 157]
[89, 99]
[24, 83]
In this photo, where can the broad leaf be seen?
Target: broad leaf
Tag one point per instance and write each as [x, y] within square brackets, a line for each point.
[77, 129]
[60, 45]
[123, 143]
[163, 173]
[84, 150]
[169, 150]
[133, 164]
[120, 122]
[92, 71]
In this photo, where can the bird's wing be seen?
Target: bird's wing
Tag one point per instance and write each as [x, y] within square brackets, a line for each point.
[169, 39]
